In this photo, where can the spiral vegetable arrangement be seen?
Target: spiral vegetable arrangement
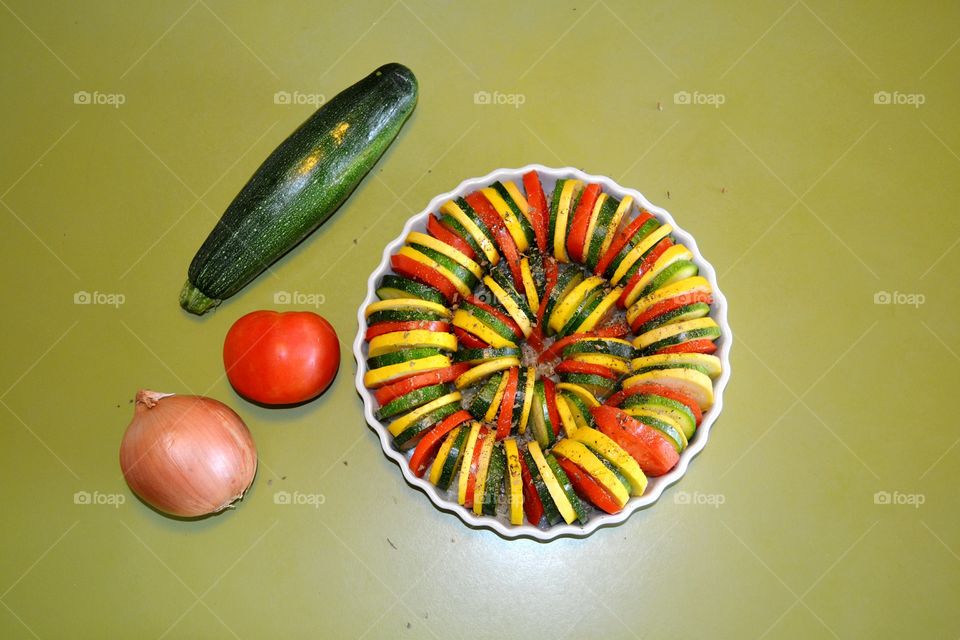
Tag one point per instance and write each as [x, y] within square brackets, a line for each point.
[540, 358]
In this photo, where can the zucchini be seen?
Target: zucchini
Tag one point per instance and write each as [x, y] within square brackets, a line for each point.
[392, 287]
[300, 184]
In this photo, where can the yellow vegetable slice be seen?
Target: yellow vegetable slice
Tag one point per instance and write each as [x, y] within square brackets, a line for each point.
[396, 340]
[601, 444]
[413, 304]
[442, 247]
[567, 193]
[442, 454]
[483, 467]
[695, 284]
[485, 369]
[568, 305]
[578, 453]
[529, 287]
[453, 210]
[376, 378]
[687, 381]
[497, 399]
[604, 360]
[655, 335]
[601, 311]
[527, 399]
[464, 474]
[470, 324]
[708, 361]
[459, 284]
[566, 416]
[514, 481]
[637, 252]
[400, 425]
[553, 486]
[580, 392]
[510, 220]
[671, 255]
[508, 303]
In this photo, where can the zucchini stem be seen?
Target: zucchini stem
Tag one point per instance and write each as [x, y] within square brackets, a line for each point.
[195, 301]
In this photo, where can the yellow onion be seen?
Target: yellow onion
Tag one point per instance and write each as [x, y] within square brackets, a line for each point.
[187, 455]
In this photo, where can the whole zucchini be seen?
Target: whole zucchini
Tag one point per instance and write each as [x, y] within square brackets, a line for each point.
[300, 184]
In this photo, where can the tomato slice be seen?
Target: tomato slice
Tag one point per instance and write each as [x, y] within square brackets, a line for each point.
[666, 392]
[493, 221]
[574, 366]
[474, 467]
[502, 317]
[694, 346]
[646, 445]
[410, 268]
[505, 418]
[381, 328]
[616, 330]
[550, 395]
[577, 235]
[669, 305]
[645, 266]
[427, 447]
[539, 212]
[442, 233]
[588, 488]
[467, 339]
[396, 389]
[532, 506]
[620, 241]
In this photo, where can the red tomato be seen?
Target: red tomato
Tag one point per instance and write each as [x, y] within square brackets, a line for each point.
[281, 358]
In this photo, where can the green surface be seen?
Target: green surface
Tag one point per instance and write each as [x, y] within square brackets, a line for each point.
[807, 196]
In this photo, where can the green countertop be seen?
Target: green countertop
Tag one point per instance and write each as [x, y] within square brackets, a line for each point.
[812, 149]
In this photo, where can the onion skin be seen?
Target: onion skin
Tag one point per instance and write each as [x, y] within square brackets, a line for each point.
[187, 456]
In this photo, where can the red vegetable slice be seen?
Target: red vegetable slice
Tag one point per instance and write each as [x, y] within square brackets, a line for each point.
[381, 328]
[532, 506]
[474, 467]
[493, 221]
[410, 268]
[645, 266]
[442, 233]
[671, 304]
[666, 392]
[502, 317]
[406, 385]
[694, 346]
[550, 395]
[620, 241]
[574, 366]
[577, 235]
[649, 447]
[615, 330]
[588, 488]
[427, 447]
[467, 339]
[538, 208]
[505, 418]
